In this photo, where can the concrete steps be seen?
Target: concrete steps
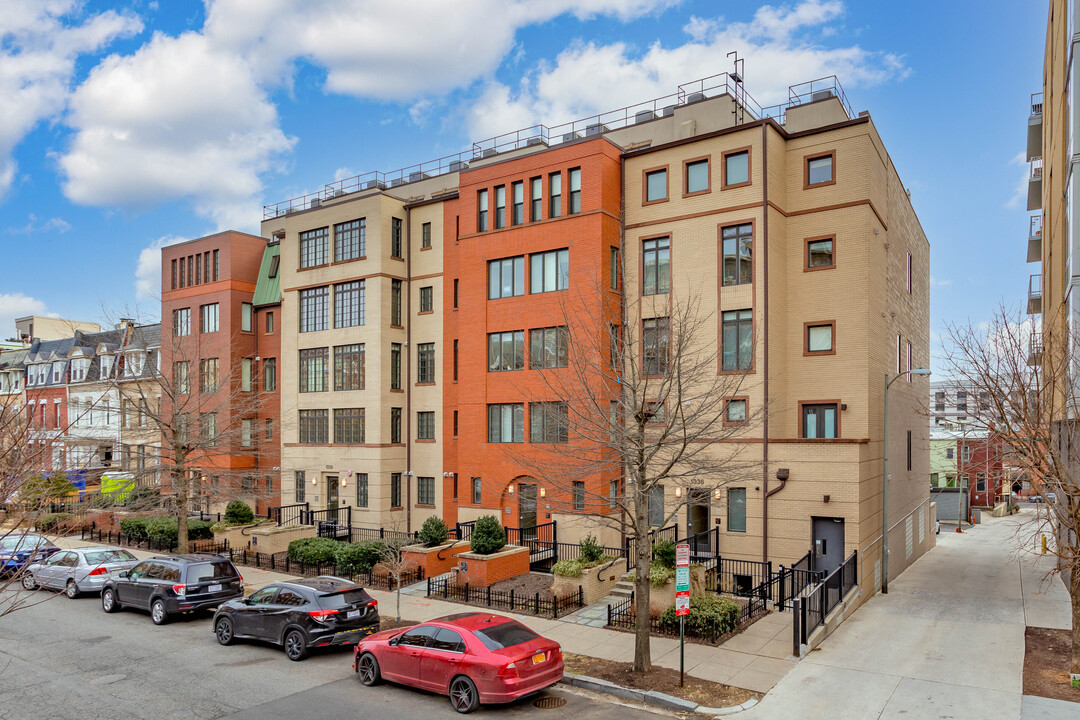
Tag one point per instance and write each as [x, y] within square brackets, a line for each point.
[624, 588]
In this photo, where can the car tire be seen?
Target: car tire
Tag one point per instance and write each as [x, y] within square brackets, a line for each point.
[223, 631]
[463, 695]
[72, 590]
[367, 669]
[158, 613]
[109, 603]
[28, 581]
[296, 646]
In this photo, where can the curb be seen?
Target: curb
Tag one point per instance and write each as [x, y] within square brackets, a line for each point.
[651, 697]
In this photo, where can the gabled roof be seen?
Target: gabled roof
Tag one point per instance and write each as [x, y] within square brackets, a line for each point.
[268, 289]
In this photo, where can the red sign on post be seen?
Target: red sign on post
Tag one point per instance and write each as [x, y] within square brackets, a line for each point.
[682, 604]
[682, 555]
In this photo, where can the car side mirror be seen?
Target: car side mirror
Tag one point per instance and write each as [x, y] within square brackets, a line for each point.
[394, 641]
[123, 574]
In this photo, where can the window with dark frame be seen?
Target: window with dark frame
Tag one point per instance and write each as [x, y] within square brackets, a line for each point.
[247, 317]
[549, 271]
[455, 360]
[549, 348]
[349, 367]
[736, 510]
[737, 340]
[656, 266]
[517, 213]
[819, 253]
[656, 505]
[425, 236]
[314, 310]
[269, 323]
[554, 195]
[361, 490]
[613, 270]
[819, 421]
[395, 302]
[427, 299]
[476, 496]
[269, 371]
[506, 278]
[314, 370]
[182, 322]
[425, 490]
[481, 211]
[738, 261]
[349, 426]
[350, 240]
[425, 363]
[275, 263]
[536, 199]
[909, 273]
[395, 490]
[500, 207]
[735, 410]
[208, 375]
[574, 196]
[579, 495]
[349, 304]
[395, 366]
[655, 337]
[299, 486]
[697, 177]
[395, 425]
[819, 170]
[549, 422]
[208, 318]
[819, 339]
[506, 423]
[425, 425]
[909, 450]
[506, 351]
[736, 168]
[656, 185]
[315, 426]
[314, 248]
[395, 238]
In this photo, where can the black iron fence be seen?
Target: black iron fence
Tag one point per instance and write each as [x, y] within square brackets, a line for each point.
[109, 537]
[377, 578]
[671, 532]
[621, 616]
[444, 588]
[465, 530]
[812, 609]
[205, 516]
[740, 577]
[288, 514]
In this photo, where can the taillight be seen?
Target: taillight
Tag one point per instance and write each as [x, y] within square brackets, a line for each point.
[509, 670]
[556, 655]
[321, 615]
[373, 603]
[99, 571]
[179, 589]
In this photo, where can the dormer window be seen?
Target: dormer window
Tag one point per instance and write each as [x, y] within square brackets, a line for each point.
[106, 366]
[58, 372]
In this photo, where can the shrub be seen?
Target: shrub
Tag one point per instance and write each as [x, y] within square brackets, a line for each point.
[313, 551]
[52, 521]
[568, 568]
[590, 549]
[434, 532]
[664, 553]
[161, 529]
[488, 535]
[352, 558]
[239, 512]
[660, 574]
[134, 528]
[709, 615]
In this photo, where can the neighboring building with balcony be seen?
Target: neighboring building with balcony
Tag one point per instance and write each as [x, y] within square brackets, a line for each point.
[268, 331]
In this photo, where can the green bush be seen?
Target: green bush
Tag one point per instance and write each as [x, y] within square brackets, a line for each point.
[350, 558]
[664, 553]
[313, 551]
[710, 615]
[239, 512]
[660, 575]
[591, 551]
[51, 521]
[134, 528]
[434, 532]
[488, 535]
[162, 529]
[568, 568]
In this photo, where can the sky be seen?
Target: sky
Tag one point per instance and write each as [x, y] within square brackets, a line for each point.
[129, 125]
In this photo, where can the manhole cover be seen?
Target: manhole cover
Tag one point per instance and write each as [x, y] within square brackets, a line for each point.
[549, 703]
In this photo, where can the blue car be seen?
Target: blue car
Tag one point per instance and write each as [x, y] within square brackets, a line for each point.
[18, 549]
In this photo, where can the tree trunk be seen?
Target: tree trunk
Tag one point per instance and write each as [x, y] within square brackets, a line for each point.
[1075, 593]
[642, 657]
[399, 598]
[181, 494]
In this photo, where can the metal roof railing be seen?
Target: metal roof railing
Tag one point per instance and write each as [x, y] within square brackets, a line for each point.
[1036, 103]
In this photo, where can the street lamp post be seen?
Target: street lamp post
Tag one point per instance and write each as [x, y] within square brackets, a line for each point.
[885, 482]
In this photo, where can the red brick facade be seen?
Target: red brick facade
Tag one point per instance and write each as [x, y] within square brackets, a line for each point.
[484, 570]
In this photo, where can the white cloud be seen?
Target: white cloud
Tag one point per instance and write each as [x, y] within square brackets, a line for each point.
[1018, 200]
[16, 305]
[148, 268]
[934, 282]
[32, 226]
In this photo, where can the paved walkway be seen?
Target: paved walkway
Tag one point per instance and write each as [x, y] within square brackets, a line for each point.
[946, 642]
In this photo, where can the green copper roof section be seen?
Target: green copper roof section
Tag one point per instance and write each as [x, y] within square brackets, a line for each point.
[268, 289]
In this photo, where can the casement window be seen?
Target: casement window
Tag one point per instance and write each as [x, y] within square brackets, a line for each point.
[209, 428]
[506, 423]
[910, 377]
[656, 505]
[819, 254]
[174, 278]
[395, 425]
[819, 170]
[270, 374]
[269, 323]
[455, 366]
[299, 486]
[395, 490]
[613, 270]
[549, 348]
[247, 432]
[736, 510]
[208, 318]
[247, 317]
[217, 265]
[655, 336]
[349, 426]
[909, 273]
[579, 495]
[656, 266]
[554, 195]
[536, 199]
[506, 351]
[738, 261]
[656, 188]
[314, 370]
[696, 178]
[350, 240]
[269, 428]
[819, 421]
[395, 366]
[517, 213]
[314, 248]
[549, 271]
[182, 322]
[500, 207]
[735, 410]
[425, 491]
[427, 299]
[481, 211]
[314, 313]
[737, 340]
[349, 367]
[736, 168]
[819, 339]
[349, 304]
[425, 236]
[476, 491]
[574, 196]
[208, 375]
[246, 368]
[425, 363]
[395, 238]
[506, 278]
[425, 425]
[361, 490]
[548, 422]
[395, 302]
[909, 450]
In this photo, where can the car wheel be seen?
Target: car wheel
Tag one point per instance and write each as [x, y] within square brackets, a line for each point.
[223, 629]
[463, 695]
[109, 603]
[296, 645]
[368, 670]
[157, 613]
[28, 582]
[72, 590]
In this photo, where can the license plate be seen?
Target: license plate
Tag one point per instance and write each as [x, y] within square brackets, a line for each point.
[539, 658]
[352, 614]
[214, 588]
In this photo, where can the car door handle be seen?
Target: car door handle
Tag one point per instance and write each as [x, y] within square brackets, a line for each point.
[415, 654]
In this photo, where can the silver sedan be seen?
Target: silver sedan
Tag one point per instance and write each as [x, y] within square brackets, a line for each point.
[79, 570]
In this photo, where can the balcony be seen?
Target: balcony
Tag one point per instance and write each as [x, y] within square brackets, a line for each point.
[1034, 246]
[1035, 349]
[1034, 304]
[1035, 123]
[1035, 185]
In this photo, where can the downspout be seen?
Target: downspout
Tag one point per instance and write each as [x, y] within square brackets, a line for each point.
[622, 327]
[765, 339]
[407, 290]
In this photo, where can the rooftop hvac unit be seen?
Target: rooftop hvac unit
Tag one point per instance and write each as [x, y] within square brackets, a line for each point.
[490, 152]
[458, 166]
[821, 95]
[418, 176]
[373, 185]
[694, 97]
[535, 141]
[668, 111]
[314, 203]
[397, 181]
[644, 116]
[571, 136]
[595, 129]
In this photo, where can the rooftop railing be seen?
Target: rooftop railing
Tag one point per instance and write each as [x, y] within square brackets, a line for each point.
[1036, 103]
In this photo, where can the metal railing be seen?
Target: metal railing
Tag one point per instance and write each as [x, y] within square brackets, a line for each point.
[1036, 103]
[811, 610]
[740, 577]
[1035, 226]
[1036, 168]
[444, 588]
[713, 629]
[329, 516]
[671, 532]
[1035, 286]
[288, 514]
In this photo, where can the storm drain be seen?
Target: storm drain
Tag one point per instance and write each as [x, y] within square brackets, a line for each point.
[549, 703]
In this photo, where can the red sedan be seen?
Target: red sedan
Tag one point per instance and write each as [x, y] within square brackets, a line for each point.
[473, 657]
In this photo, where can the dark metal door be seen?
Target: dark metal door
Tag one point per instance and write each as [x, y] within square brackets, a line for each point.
[828, 544]
[526, 505]
[332, 497]
[697, 520]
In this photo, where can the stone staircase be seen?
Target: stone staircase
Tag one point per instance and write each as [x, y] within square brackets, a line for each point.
[623, 589]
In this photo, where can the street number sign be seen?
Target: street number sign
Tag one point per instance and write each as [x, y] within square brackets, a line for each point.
[682, 555]
[682, 604]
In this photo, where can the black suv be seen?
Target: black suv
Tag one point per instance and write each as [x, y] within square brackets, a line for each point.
[170, 585]
[313, 612]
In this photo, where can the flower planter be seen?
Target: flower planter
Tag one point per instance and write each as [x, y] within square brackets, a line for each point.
[437, 560]
[595, 582]
[271, 539]
[482, 570]
[660, 599]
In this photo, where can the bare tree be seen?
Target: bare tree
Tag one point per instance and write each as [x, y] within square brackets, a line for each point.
[1031, 399]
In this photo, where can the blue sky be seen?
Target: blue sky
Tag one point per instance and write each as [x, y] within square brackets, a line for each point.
[128, 125]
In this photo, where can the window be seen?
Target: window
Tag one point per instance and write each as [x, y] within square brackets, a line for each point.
[208, 424]
[819, 339]
[246, 317]
[270, 374]
[174, 274]
[898, 341]
[182, 263]
[349, 304]
[217, 265]
[208, 375]
[536, 199]
[349, 426]
[909, 272]
[275, 263]
[425, 491]
[425, 425]
[819, 170]
[736, 510]
[455, 360]
[506, 423]
[950, 453]
[549, 271]
[313, 369]
[425, 236]
[350, 240]
[655, 343]
[208, 318]
[656, 505]
[506, 278]
[738, 264]
[300, 485]
[506, 351]
[269, 323]
[697, 177]
[182, 322]
[980, 482]
[735, 410]
[313, 309]
[939, 401]
[476, 491]
[738, 340]
[656, 266]
[361, 490]
[455, 293]
[554, 195]
[819, 254]
[548, 422]
[965, 454]
[549, 348]
[181, 380]
[574, 198]
[395, 302]
[736, 168]
[517, 212]
[395, 425]
[909, 450]
[395, 366]
[395, 490]
[314, 426]
[481, 211]
[427, 301]
[395, 237]
[246, 367]
[819, 421]
[910, 377]
[314, 246]
[349, 367]
[961, 401]
[425, 363]
[269, 428]
[247, 432]
[579, 495]
[656, 185]
[500, 207]
[613, 270]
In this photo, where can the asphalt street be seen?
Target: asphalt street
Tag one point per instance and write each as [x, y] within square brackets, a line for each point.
[66, 658]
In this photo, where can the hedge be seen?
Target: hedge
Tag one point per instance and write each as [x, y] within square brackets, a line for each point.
[350, 558]
[51, 521]
[574, 568]
[162, 529]
[709, 616]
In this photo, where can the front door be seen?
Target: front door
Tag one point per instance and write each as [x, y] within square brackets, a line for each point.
[828, 544]
[332, 496]
[526, 505]
[697, 520]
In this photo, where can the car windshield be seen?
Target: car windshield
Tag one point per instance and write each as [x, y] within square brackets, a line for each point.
[337, 600]
[210, 571]
[497, 637]
[100, 557]
[22, 542]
